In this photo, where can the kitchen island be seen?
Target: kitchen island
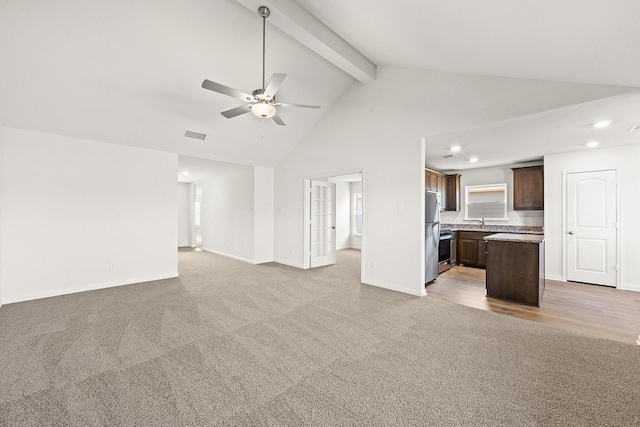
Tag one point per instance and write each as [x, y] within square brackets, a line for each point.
[515, 267]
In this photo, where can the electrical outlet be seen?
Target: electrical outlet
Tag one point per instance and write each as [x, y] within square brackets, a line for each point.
[112, 264]
[373, 264]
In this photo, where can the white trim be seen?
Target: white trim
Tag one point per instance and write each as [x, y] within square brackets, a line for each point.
[554, 277]
[630, 287]
[478, 188]
[423, 236]
[95, 287]
[237, 258]
[306, 224]
[291, 264]
[565, 255]
[394, 288]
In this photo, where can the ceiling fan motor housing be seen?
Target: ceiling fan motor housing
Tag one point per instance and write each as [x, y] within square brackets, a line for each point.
[264, 11]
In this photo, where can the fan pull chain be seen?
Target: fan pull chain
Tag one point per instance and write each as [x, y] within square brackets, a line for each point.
[263, 128]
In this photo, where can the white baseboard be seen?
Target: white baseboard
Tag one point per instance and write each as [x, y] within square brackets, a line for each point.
[290, 264]
[76, 289]
[554, 277]
[237, 258]
[630, 287]
[394, 288]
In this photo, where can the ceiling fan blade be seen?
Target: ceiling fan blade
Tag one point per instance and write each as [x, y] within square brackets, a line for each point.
[237, 111]
[279, 104]
[276, 118]
[226, 90]
[274, 84]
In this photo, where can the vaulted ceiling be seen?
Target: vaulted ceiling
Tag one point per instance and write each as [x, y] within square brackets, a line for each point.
[130, 72]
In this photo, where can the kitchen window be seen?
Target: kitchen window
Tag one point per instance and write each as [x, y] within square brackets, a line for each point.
[486, 201]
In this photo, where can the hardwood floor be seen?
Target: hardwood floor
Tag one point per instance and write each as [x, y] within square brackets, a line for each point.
[596, 310]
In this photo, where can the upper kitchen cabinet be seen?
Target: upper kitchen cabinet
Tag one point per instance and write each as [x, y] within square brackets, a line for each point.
[434, 181]
[431, 180]
[528, 188]
[452, 192]
[447, 185]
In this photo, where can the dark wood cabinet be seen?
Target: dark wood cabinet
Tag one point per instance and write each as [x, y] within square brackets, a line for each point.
[482, 253]
[472, 248]
[435, 181]
[452, 192]
[431, 180]
[528, 188]
[467, 251]
[515, 270]
[454, 248]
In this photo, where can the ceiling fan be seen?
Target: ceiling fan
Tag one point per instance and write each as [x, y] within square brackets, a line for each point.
[261, 102]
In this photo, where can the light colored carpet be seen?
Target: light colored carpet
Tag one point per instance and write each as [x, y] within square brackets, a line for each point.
[235, 344]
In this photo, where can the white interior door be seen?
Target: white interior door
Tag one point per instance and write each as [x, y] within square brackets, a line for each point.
[592, 227]
[323, 223]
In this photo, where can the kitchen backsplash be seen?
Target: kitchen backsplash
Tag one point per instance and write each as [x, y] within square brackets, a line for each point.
[524, 229]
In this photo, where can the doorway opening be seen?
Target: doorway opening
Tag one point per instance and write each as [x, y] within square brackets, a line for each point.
[334, 210]
[197, 214]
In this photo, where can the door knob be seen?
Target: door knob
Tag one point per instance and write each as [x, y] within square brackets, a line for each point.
[570, 232]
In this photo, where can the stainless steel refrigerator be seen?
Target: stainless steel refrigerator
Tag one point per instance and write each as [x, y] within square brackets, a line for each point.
[432, 235]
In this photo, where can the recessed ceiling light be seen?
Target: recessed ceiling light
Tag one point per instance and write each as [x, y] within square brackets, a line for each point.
[455, 148]
[185, 173]
[592, 144]
[602, 124]
[473, 159]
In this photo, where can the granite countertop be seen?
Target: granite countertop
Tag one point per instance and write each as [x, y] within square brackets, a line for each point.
[511, 237]
[519, 229]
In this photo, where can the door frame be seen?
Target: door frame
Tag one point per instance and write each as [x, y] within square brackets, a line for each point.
[306, 219]
[565, 255]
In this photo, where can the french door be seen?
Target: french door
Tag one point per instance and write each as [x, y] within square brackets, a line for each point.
[323, 223]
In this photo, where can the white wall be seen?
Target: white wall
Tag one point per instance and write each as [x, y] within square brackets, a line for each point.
[1, 237]
[183, 214]
[343, 214]
[356, 241]
[493, 175]
[627, 159]
[263, 214]
[71, 207]
[363, 132]
[237, 213]
[227, 216]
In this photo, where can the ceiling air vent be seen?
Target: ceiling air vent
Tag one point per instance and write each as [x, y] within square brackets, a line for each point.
[449, 156]
[195, 135]
[634, 128]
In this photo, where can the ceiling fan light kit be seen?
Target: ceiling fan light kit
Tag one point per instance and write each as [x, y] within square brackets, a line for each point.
[263, 109]
[261, 102]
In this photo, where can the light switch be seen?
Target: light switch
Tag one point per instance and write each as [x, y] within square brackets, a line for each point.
[400, 207]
